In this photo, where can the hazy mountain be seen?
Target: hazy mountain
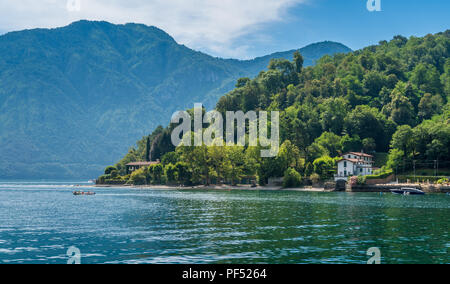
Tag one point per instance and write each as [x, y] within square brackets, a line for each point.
[72, 98]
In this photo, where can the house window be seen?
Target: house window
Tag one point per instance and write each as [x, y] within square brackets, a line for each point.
[361, 170]
[345, 164]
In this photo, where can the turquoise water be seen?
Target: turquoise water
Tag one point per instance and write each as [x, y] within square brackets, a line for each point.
[40, 221]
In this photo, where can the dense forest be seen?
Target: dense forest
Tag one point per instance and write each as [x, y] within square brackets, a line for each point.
[390, 98]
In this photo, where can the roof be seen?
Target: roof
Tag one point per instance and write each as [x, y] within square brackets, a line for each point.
[358, 154]
[350, 160]
[142, 164]
[355, 161]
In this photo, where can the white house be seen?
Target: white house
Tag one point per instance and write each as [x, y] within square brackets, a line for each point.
[354, 164]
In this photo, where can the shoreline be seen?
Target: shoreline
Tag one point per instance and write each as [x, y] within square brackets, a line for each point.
[357, 189]
[216, 187]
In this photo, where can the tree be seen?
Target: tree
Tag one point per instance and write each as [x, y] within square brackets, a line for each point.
[400, 110]
[292, 178]
[170, 172]
[220, 164]
[147, 150]
[369, 145]
[309, 170]
[287, 70]
[427, 78]
[445, 79]
[242, 82]
[333, 113]
[298, 60]
[367, 122]
[183, 174]
[156, 173]
[403, 139]
[199, 162]
[351, 144]
[430, 105]
[325, 167]
[373, 83]
[395, 159]
[235, 163]
[331, 142]
[170, 158]
[289, 156]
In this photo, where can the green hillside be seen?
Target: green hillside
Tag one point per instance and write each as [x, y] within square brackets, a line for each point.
[393, 97]
[72, 99]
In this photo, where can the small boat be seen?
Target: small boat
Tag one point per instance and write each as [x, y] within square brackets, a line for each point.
[408, 191]
[76, 193]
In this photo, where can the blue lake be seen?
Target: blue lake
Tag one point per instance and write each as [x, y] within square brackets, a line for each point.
[40, 221]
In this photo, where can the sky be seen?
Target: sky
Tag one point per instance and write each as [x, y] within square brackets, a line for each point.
[243, 28]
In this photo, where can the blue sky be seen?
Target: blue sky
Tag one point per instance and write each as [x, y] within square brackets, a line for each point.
[351, 23]
[243, 28]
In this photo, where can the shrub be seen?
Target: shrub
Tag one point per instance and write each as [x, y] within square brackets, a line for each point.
[292, 178]
[353, 180]
[138, 177]
[110, 169]
[315, 178]
[443, 181]
[102, 179]
[361, 180]
[114, 174]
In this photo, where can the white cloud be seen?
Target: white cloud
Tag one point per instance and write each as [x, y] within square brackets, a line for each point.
[212, 25]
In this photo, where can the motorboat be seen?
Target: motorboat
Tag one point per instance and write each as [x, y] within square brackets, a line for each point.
[408, 191]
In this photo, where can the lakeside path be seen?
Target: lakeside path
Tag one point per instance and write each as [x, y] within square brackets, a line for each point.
[217, 187]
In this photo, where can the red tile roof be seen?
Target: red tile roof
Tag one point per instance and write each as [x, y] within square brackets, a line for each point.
[354, 161]
[358, 154]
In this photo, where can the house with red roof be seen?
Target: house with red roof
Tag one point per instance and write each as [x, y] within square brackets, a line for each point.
[354, 164]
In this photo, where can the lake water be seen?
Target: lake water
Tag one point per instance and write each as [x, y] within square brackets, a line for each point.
[40, 221]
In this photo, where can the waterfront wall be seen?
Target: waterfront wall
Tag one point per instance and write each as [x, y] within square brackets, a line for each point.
[428, 188]
[380, 181]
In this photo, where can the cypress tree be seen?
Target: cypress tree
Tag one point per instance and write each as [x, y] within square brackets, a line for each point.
[147, 150]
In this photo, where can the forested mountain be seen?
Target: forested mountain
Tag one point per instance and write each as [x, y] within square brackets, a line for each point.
[391, 97]
[73, 99]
